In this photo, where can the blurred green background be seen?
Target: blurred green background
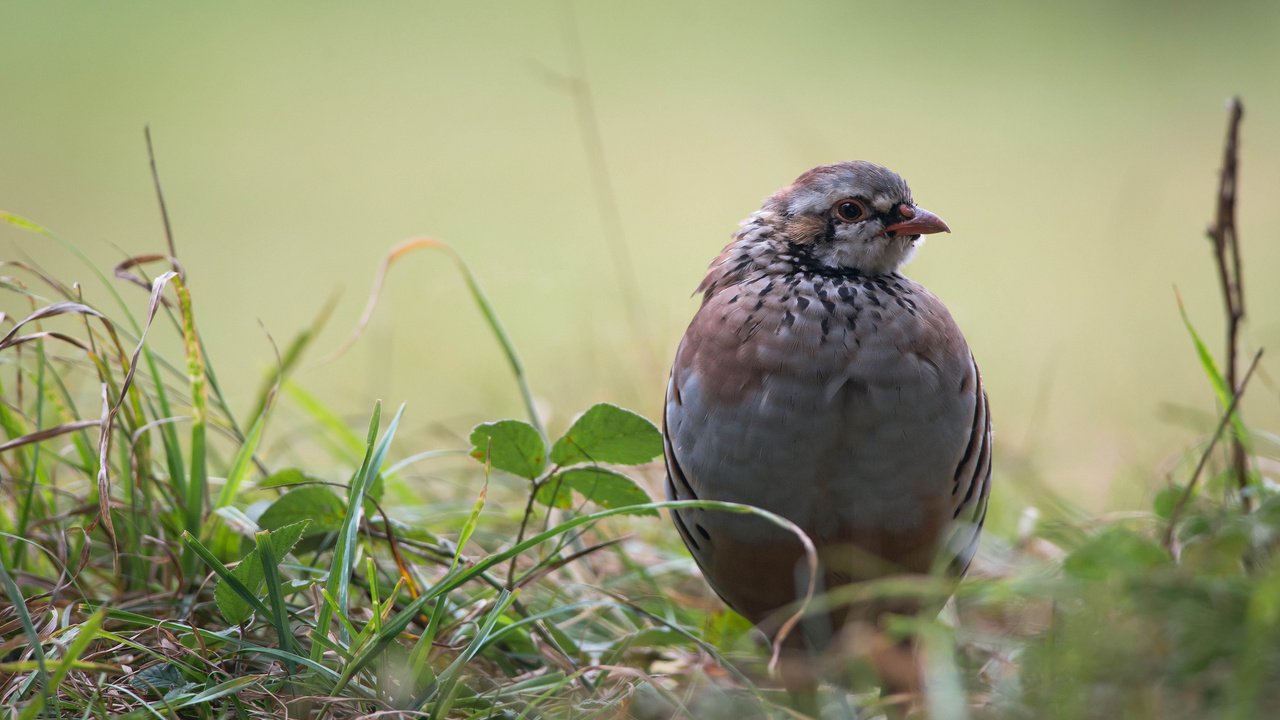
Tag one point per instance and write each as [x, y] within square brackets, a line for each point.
[1072, 147]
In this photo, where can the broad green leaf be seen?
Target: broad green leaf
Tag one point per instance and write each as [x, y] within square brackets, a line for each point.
[159, 678]
[608, 434]
[510, 445]
[605, 488]
[1115, 552]
[249, 572]
[555, 492]
[1218, 554]
[316, 503]
[1166, 500]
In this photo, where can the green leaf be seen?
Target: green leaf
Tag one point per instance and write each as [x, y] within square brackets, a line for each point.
[230, 687]
[605, 488]
[393, 626]
[510, 445]
[318, 504]
[249, 572]
[1166, 500]
[1216, 378]
[159, 678]
[1115, 552]
[555, 492]
[608, 434]
[338, 583]
[724, 628]
[1218, 554]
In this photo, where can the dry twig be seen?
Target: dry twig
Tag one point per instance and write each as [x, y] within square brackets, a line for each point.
[1226, 250]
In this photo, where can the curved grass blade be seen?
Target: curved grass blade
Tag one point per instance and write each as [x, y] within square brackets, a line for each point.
[275, 595]
[446, 684]
[228, 636]
[197, 476]
[229, 687]
[477, 296]
[47, 433]
[338, 584]
[86, 632]
[19, 604]
[397, 624]
[345, 444]
[225, 574]
[242, 462]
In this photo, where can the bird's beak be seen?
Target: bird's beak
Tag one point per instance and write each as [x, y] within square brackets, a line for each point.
[917, 221]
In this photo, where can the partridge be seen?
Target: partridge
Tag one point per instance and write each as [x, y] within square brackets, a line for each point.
[817, 382]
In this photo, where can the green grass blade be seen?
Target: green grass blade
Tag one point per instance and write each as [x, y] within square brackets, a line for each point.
[19, 605]
[289, 360]
[197, 478]
[85, 634]
[446, 683]
[229, 636]
[35, 475]
[275, 593]
[339, 581]
[229, 687]
[1211, 371]
[340, 568]
[242, 463]
[499, 332]
[349, 445]
[26, 224]
[437, 614]
[223, 572]
[418, 457]
[173, 456]
[477, 296]
[62, 397]
[400, 621]
[343, 620]
[211, 379]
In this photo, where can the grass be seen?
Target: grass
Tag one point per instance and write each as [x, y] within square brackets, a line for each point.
[162, 559]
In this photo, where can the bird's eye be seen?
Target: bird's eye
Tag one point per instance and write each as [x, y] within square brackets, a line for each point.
[850, 210]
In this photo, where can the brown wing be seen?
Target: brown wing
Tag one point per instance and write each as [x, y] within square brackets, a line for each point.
[972, 488]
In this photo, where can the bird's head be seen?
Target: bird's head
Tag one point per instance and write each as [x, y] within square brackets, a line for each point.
[850, 216]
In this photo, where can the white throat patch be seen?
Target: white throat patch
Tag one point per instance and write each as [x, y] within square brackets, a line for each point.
[879, 255]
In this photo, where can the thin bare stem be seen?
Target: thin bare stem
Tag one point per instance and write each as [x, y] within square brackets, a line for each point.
[164, 210]
[602, 185]
[528, 513]
[1204, 457]
[1226, 249]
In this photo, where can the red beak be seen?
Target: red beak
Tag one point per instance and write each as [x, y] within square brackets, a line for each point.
[918, 221]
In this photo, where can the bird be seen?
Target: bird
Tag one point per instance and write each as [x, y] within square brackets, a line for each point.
[817, 382]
